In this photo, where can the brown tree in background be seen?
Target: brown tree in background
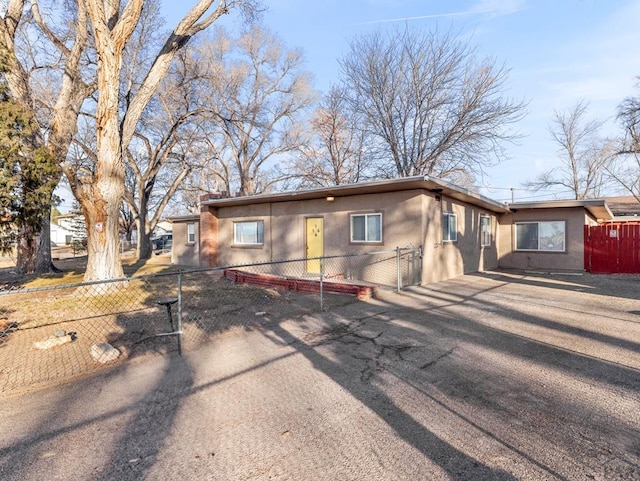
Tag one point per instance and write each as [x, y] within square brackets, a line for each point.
[258, 95]
[629, 118]
[625, 168]
[429, 104]
[166, 148]
[334, 153]
[584, 156]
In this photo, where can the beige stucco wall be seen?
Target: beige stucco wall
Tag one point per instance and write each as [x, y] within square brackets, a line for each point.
[410, 218]
[571, 259]
[284, 226]
[443, 259]
[183, 252]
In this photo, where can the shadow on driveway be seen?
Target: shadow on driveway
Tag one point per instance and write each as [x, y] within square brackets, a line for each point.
[485, 377]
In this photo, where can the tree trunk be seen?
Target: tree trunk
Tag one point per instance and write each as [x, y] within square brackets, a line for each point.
[144, 236]
[144, 245]
[102, 198]
[34, 248]
[101, 202]
[26, 250]
[44, 264]
[101, 216]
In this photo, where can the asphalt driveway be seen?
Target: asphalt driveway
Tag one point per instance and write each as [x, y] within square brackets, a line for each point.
[495, 376]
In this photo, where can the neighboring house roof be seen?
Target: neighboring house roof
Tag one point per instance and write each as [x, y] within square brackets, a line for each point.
[377, 187]
[598, 208]
[164, 225]
[623, 206]
[59, 229]
[54, 226]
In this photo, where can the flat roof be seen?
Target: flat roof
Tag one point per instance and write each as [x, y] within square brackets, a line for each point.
[598, 208]
[376, 187]
[184, 218]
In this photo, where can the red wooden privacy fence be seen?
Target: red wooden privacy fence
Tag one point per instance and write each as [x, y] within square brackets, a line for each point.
[612, 248]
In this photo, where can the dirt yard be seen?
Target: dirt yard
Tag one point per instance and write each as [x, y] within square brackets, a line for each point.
[496, 376]
[72, 265]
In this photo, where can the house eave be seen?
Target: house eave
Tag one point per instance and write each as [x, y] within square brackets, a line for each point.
[427, 183]
[598, 208]
[184, 218]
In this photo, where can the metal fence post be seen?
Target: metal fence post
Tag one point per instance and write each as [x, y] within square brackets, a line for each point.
[180, 313]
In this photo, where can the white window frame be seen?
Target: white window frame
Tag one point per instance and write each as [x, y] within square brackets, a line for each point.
[541, 245]
[366, 239]
[449, 235]
[191, 233]
[258, 234]
[486, 233]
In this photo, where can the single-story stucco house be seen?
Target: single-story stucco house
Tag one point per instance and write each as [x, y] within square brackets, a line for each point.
[459, 231]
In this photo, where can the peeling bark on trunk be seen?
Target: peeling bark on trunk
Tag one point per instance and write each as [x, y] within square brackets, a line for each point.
[101, 213]
[102, 196]
[101, 201]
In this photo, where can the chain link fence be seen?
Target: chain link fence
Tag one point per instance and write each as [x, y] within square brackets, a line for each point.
[55, 333]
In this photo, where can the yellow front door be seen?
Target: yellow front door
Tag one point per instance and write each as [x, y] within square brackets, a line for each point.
[315, 243]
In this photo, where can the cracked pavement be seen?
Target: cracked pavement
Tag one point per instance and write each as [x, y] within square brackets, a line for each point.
[496, 376]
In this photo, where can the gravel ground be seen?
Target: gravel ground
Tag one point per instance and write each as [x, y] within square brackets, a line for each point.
[495, 376]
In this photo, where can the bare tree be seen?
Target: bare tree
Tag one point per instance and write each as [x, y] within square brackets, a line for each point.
[208, 175]
[258, 93]
[431, 106]
[158, 157]
[127, 221]
[584, 155]
[334, 153]
[102, 193]
[163, 152]
[629, 118]
[625, 169]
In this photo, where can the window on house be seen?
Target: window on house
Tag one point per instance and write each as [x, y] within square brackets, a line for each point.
[485, 231]
[540, 236]
[366, 228]
[449, 227]
[191, 233]
[248, 233]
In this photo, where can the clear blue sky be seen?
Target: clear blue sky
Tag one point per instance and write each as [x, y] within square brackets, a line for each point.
[559, 52]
